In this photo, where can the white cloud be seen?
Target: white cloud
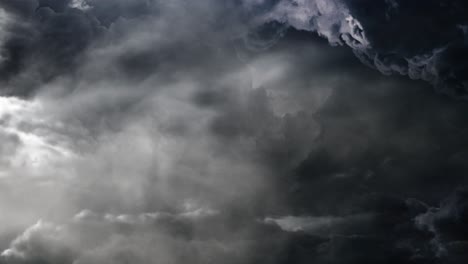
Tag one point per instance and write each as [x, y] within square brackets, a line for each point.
[319, 225]
[80, 4]
[40, 149]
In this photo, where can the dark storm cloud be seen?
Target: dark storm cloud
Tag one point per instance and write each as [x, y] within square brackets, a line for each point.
[421, 40]
[386, 233]
[191, 131]
[47, 39]
[424, 41]
[446, 223]
[379, 145]
[428, 41]
[43, 40]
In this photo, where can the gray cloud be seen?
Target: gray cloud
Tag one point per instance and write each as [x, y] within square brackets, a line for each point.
[68, 28]
[143, 131]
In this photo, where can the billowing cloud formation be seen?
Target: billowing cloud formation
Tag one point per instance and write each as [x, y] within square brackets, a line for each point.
[421, 40]
[190, 131]
[428, 41]
[93, 238]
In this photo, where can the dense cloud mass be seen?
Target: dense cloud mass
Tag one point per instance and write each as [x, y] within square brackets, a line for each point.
[249, 131]
[423, 40]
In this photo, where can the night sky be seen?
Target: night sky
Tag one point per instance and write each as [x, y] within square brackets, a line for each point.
[233, 131]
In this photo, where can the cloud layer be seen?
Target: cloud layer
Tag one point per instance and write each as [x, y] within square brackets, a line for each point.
[211, 131]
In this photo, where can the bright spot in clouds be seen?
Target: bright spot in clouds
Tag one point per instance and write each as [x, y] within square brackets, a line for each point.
[37, 151]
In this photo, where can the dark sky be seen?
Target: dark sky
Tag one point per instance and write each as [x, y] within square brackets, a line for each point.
[233, 131]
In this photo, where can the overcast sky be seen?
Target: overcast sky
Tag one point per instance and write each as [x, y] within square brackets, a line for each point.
[233, 131]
